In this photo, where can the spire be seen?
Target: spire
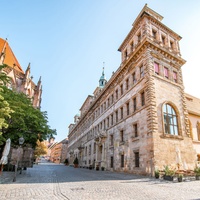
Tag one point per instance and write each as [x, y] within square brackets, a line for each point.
[39, 86]
[27, 73]
[102, 80]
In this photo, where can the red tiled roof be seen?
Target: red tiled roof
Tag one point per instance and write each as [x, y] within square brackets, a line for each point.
[10, 58]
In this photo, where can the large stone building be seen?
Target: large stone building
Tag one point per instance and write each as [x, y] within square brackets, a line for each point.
[58, 151]
[20, 80]
[139, 119]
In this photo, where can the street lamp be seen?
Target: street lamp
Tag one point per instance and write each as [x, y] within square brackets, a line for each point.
[21, 141]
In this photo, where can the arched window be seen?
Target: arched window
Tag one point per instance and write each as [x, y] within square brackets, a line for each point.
[170, 120]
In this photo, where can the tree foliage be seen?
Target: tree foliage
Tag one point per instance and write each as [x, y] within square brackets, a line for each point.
[5, 109]
[40, 149]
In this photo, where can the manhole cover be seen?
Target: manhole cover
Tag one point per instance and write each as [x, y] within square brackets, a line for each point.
[76, 189]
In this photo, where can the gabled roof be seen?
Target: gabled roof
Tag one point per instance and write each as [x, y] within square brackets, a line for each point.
[10, 58]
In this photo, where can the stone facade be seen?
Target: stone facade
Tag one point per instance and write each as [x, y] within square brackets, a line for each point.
[20, 81]
[139, 120]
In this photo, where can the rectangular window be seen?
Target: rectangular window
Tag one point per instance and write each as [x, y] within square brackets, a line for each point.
[127, 84]
[134, 104]
[137, 159]
[134, 78]
[141, 71]
[108, 124]
[109, 102]
[111, 162]
[127, 108]
[122, 160]
[142, 99]
[101, 109]
[166, 72]
[94, 150]
[122, 91]
[156, 68]
[116, 115]
[135, 130]
[116, 94]
[111, 119]
[111, 140]
[175, 76]
[112, 99]
[139, 37]
[171, 44]
[89, 149]
[122, 136]
[122, 114]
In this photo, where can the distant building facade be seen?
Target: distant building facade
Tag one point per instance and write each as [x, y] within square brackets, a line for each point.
[58, 151]
[141, 119]
[20, 80]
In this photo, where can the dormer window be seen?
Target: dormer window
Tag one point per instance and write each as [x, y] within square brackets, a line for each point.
[163, 39]
[154, 33]
[125, 54]
[171, 45]
[131, 46]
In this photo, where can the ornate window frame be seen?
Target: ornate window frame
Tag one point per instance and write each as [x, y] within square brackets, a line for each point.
[166, 135]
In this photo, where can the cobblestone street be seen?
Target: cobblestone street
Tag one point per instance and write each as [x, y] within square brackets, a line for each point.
[51, 181]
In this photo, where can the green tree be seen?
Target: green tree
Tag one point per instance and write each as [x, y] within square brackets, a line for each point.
[5, 109]
[25, 121]
[4, 79]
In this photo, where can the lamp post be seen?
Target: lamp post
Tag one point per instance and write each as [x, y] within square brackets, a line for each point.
[21, 141]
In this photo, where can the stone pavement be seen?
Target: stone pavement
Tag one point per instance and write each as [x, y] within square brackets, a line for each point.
[56, 182]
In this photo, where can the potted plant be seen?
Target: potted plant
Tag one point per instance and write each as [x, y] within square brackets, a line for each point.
[90, 167]
[76, 162]
[66, 162]
[157, 173]
[169, 173]
[97, 167]
[180, 177]
[197, 173]
[102, 168]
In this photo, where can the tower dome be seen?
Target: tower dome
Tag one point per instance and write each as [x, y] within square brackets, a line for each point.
[102, 80]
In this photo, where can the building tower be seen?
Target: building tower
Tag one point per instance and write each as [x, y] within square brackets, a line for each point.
[139, 121]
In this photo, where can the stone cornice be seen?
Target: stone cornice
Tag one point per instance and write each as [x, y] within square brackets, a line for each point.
[137, 24]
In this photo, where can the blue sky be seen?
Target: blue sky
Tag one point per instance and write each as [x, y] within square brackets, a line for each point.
[67, 41]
